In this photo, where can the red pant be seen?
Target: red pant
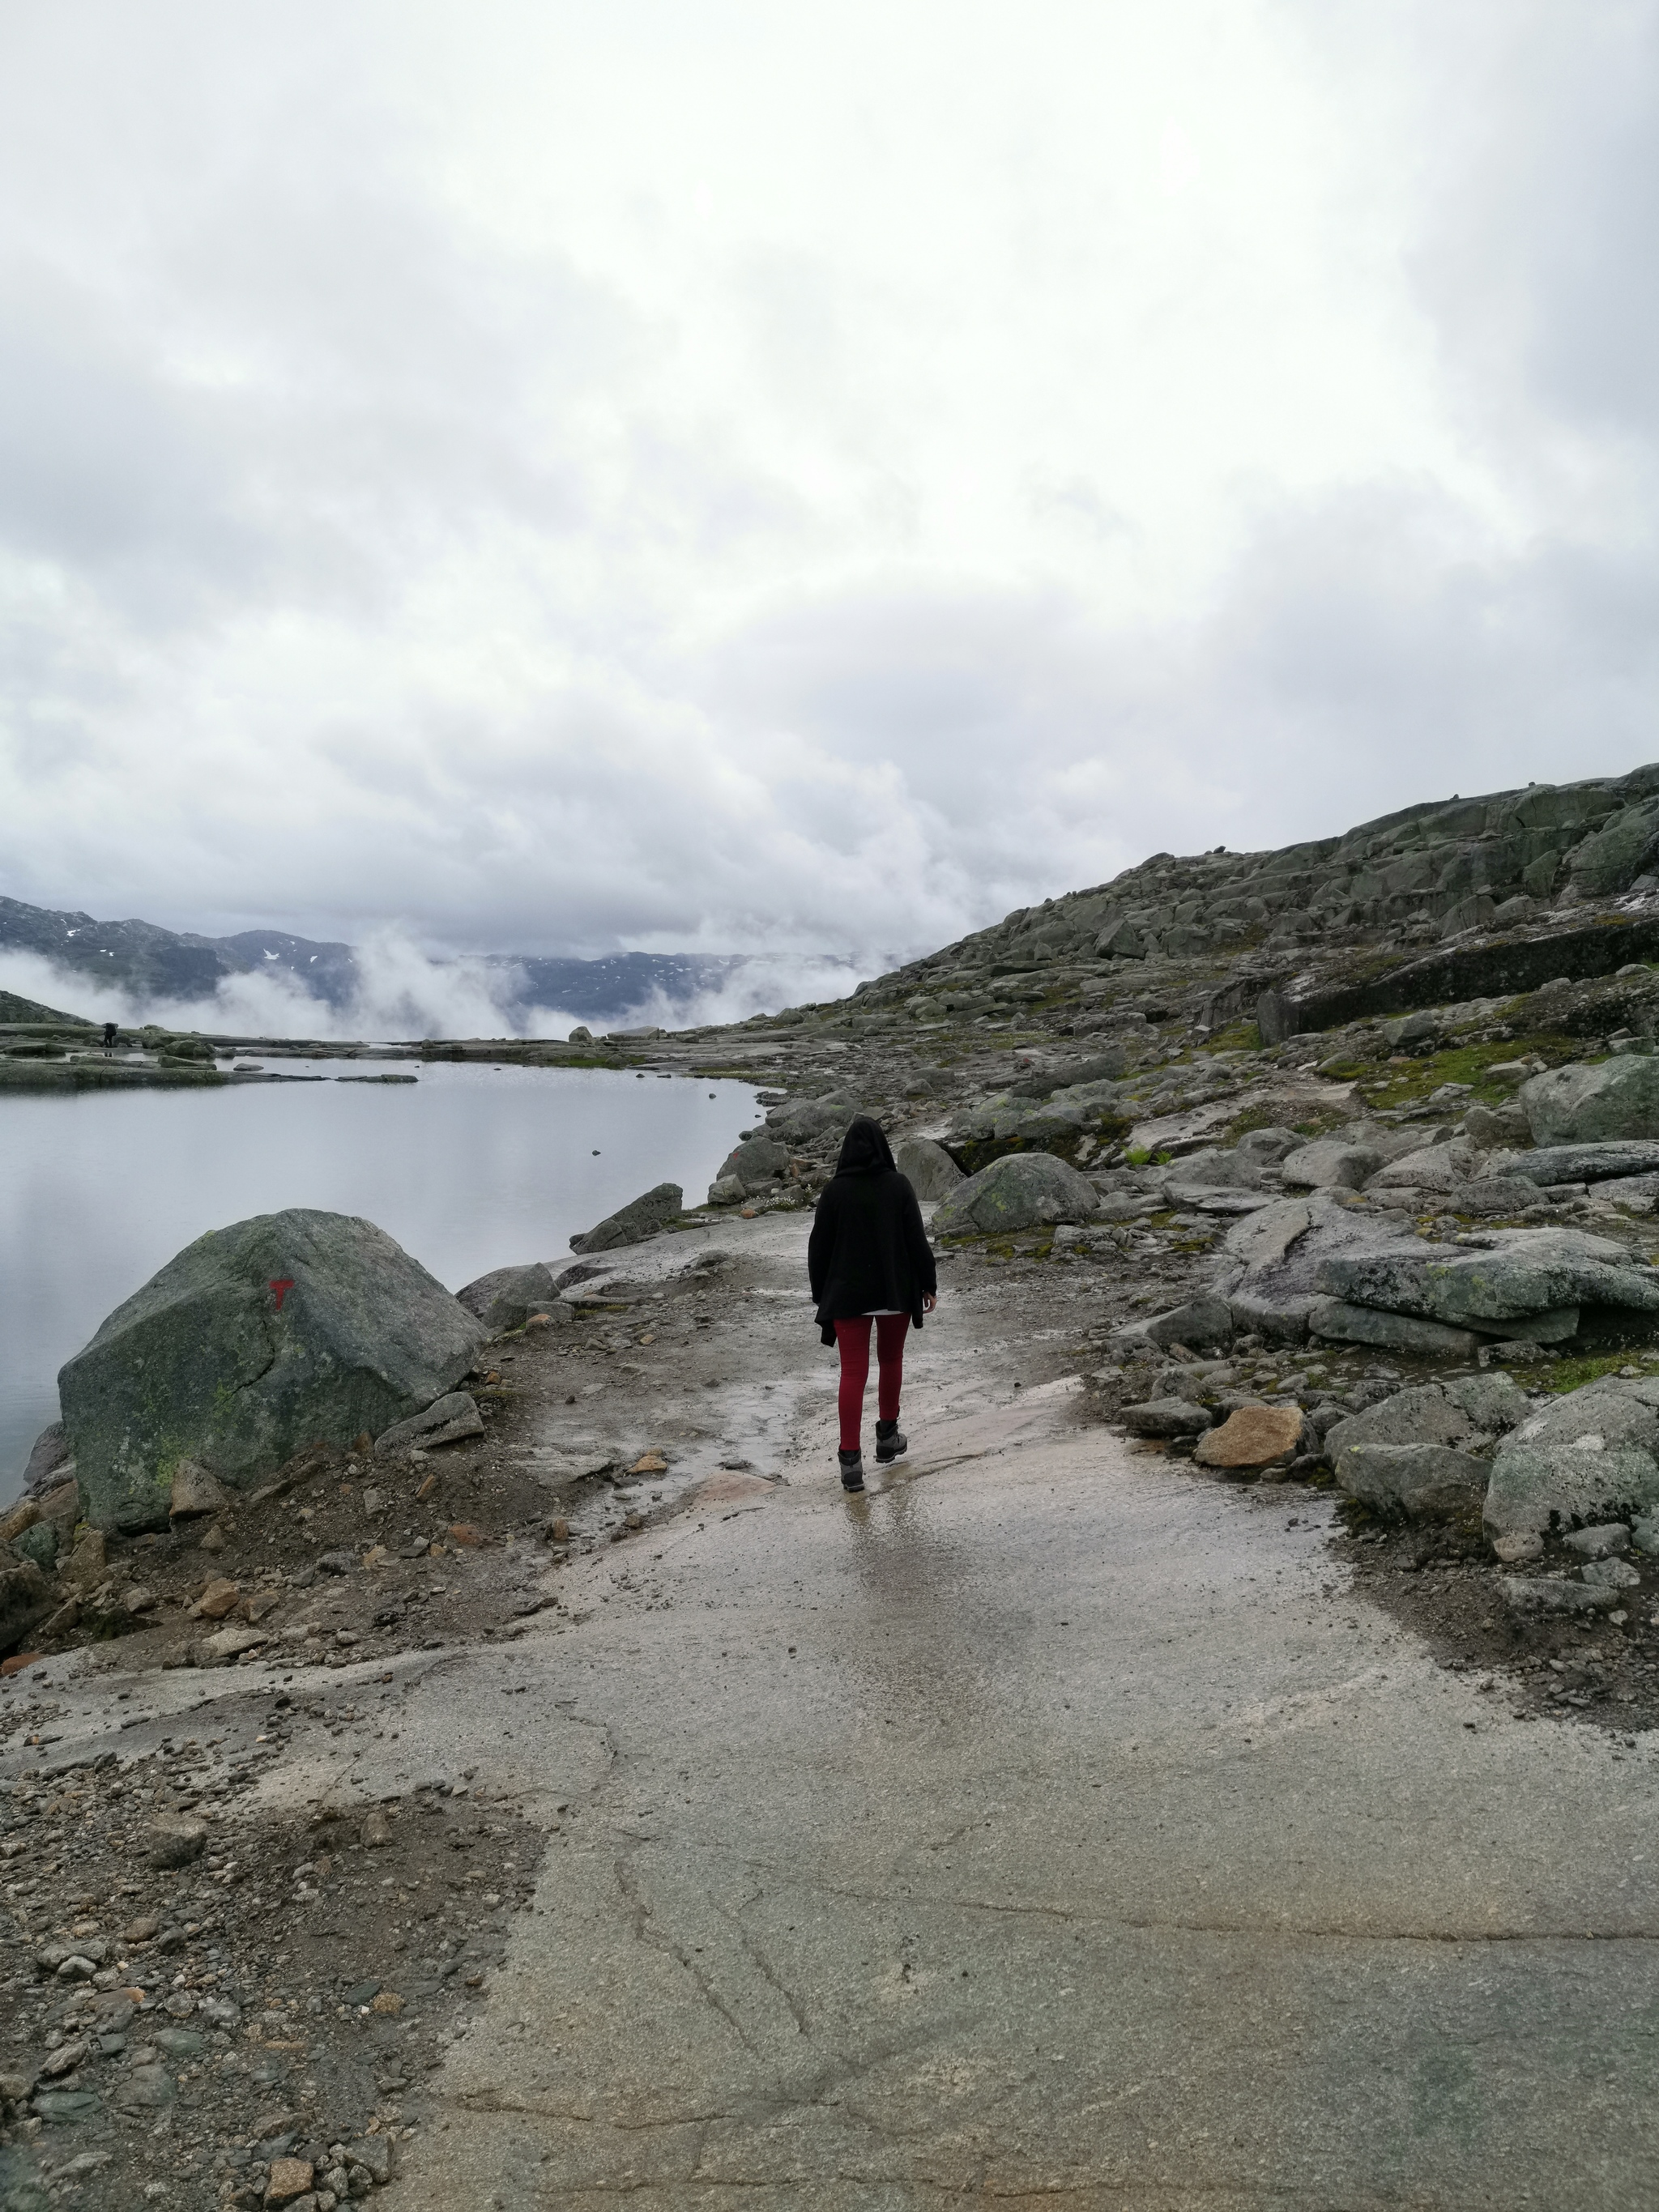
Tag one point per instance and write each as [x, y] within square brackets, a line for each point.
[853, 1338]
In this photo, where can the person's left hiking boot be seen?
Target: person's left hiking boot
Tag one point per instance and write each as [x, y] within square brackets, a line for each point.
[852, 1470]
[889, 1443]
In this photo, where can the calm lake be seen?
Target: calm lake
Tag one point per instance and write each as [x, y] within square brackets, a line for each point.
[470, 1167]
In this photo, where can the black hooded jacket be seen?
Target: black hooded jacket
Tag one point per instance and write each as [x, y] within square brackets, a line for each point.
[868, 1249]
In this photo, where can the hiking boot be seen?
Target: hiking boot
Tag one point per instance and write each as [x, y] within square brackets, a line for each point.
[889, 1443]
[852, 1470]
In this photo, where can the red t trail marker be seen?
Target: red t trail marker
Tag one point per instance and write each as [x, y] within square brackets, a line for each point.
[282, 1285]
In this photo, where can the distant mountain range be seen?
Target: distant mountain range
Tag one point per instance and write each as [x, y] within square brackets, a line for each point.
[151, 962]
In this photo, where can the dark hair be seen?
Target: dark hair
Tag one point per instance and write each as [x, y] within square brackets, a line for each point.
[865, 1149]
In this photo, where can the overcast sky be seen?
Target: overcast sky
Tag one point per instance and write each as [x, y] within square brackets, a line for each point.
[547, 477]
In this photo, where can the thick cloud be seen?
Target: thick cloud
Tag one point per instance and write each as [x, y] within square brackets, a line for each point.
[804, 480]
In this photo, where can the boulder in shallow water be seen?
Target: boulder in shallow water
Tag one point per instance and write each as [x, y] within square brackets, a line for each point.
[647, 1215]
[256, 1341]
[1576, 1105]
[1022, 1190]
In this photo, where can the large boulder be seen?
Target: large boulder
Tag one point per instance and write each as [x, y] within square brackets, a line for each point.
[932, 1171]
[1576, 1105]
[254, 1341]
[1512, 1273]
[1337, 1322]
[799, 1120]
[507, 1296]
[1426, 1482]
[1432, 1167]
[1022, 1190]
[647, 1215]
[1467, 1411]
[1588, 1454]
[1270, 1271]
[753, 1165]
[1330, 1164]
[1421, 1415]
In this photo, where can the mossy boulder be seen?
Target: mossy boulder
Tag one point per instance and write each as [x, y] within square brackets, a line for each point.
[1023, 1190]
[256, 1341]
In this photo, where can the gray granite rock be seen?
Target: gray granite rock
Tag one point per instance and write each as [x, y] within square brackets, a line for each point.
[507, 1296]
[1495, 1403]
[1511, 1273]
[1434, 1167]
[1548, 1594]
[1612, 1574]
[26, 1596]
[932, 1171]
[799, 1120]
[1341, 1323]
[1596, 1163]
[1580, 1104]
[1605, 1540]
[1330, 1164]
[1420, 1415]
[1270, 1260]
[1023, 1190]
[451, 1419]
[1584, 1457]
[257, 1340]
[1166, 1417]
[659, 1208]
[1423, 1481]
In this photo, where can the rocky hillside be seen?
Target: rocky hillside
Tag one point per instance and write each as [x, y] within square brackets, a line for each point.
[1445, 899]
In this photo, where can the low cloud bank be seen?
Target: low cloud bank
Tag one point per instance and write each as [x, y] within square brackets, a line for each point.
[404, 992]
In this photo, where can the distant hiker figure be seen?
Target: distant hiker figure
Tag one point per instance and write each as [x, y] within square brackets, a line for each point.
[111, 1036]
[869, 1260]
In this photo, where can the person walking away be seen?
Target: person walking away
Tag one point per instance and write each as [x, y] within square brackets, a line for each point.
[868, 1259]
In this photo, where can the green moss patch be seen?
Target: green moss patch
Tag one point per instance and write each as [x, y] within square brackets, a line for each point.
[1410, 1084]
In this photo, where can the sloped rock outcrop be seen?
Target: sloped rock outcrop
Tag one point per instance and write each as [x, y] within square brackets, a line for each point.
[647, 1215]
[253, 1342]
[1515, 1273]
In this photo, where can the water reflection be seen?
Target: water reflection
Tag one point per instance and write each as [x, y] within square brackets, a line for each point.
[472, 1167]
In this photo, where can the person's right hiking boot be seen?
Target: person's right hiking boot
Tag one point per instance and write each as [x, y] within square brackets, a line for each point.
[852, 1470]
[889, 1443]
